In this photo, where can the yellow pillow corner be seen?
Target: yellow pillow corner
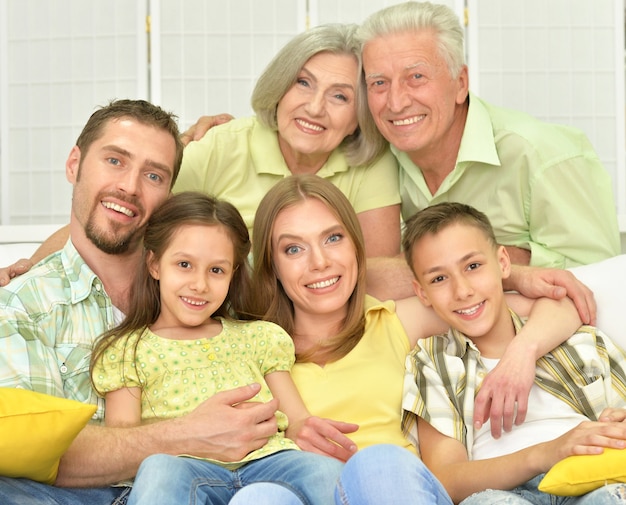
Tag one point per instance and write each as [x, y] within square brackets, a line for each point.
[577, 475]
[35, 431]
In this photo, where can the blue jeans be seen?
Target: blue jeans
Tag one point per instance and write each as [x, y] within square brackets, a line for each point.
[170, 479]
[28, 492]
[529, 494]
[388, 474]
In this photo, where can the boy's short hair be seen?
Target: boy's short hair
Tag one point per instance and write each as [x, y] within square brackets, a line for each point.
[433, 219]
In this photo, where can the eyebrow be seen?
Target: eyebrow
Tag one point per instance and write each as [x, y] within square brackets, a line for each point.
[465, 258]
[336, 84]
[290, 236]
[407, 67]
[128, 154]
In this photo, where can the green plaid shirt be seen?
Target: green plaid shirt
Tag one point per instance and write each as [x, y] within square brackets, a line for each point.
[445, 372]
[49, 320]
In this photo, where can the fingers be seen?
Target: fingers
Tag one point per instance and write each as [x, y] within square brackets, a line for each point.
[20, 267]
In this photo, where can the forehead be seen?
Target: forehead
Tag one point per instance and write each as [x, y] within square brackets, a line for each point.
[400, 50]
[340, 68]
[138, 139]
[303, 216]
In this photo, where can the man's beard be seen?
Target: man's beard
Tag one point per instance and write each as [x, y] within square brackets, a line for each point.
[116, 244]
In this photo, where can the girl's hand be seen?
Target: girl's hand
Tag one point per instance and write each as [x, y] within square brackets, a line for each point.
[323, 436]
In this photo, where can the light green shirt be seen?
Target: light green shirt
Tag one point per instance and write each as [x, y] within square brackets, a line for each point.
[541, 185]
[241, 160]
[49, 319]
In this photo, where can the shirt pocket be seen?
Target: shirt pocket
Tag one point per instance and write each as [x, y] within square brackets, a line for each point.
[73, 362]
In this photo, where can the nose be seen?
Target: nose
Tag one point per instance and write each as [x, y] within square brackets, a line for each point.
[397, 98]
[199, 283]
[319, 259]
[315, 106]
[130, 182]
[462, 288]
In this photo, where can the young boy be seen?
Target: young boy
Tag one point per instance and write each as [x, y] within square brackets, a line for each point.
[458, 269]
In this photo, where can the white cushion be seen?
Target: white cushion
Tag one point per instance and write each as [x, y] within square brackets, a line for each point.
[607, 280]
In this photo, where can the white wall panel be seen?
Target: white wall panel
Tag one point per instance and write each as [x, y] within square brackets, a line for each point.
[62, 59]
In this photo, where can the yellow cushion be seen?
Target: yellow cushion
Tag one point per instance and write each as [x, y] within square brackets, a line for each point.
[578, 475]
[35, 431]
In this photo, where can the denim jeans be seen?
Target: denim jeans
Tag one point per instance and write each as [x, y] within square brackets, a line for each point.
[28, 492]
[388, 474]
[164, 479]
[529, 494]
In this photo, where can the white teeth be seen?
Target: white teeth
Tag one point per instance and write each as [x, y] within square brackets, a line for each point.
[310, 126]
[119, 208]
[411, 120]
[323, 284]
[470, 311]
[193, 302]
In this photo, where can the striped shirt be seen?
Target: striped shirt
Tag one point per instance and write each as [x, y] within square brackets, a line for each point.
[444, 374]
[49, 320]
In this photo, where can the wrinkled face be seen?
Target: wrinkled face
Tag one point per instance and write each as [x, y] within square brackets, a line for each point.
[410, 92]
[194, 275]
[319, 110]
[314, 259]
[459, 273]
[121, 179]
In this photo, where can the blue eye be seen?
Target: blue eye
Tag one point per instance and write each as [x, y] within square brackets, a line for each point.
[114, 161]
[335, 237]
[292, 249]
[154, 177]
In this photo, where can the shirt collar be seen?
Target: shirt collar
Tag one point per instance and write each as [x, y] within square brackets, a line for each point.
[81, 278]
[268, 159]
[478, 143]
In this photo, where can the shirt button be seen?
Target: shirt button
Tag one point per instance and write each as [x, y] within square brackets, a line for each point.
[63, 369]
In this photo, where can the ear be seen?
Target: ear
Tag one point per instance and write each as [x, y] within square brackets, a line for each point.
[462, 85]
[504, 261]
[72, 165]
[153, 265]
[421, 293]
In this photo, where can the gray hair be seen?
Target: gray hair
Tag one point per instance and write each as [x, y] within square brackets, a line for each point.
[416, 16]
[282, 72]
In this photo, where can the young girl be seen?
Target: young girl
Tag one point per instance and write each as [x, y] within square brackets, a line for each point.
[179, 344]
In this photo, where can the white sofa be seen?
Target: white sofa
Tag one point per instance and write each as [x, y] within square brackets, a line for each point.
[607, 278]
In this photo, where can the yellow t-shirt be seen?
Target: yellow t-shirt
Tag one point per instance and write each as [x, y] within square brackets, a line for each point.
[241, 160]
[365, 386]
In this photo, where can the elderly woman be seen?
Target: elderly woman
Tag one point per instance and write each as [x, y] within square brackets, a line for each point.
[306, 104]
[309, 277]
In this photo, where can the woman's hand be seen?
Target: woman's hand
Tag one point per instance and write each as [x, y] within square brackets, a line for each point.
[323, 436]
[197, 130]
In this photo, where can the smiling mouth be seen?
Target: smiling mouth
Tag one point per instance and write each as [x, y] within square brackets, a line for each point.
[323, 284]
[310, 126]
[197, 303]
[471, 311]
[409, 120]
[118, 208]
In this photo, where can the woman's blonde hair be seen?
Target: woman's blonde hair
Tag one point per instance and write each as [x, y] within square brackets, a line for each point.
[268, 299]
